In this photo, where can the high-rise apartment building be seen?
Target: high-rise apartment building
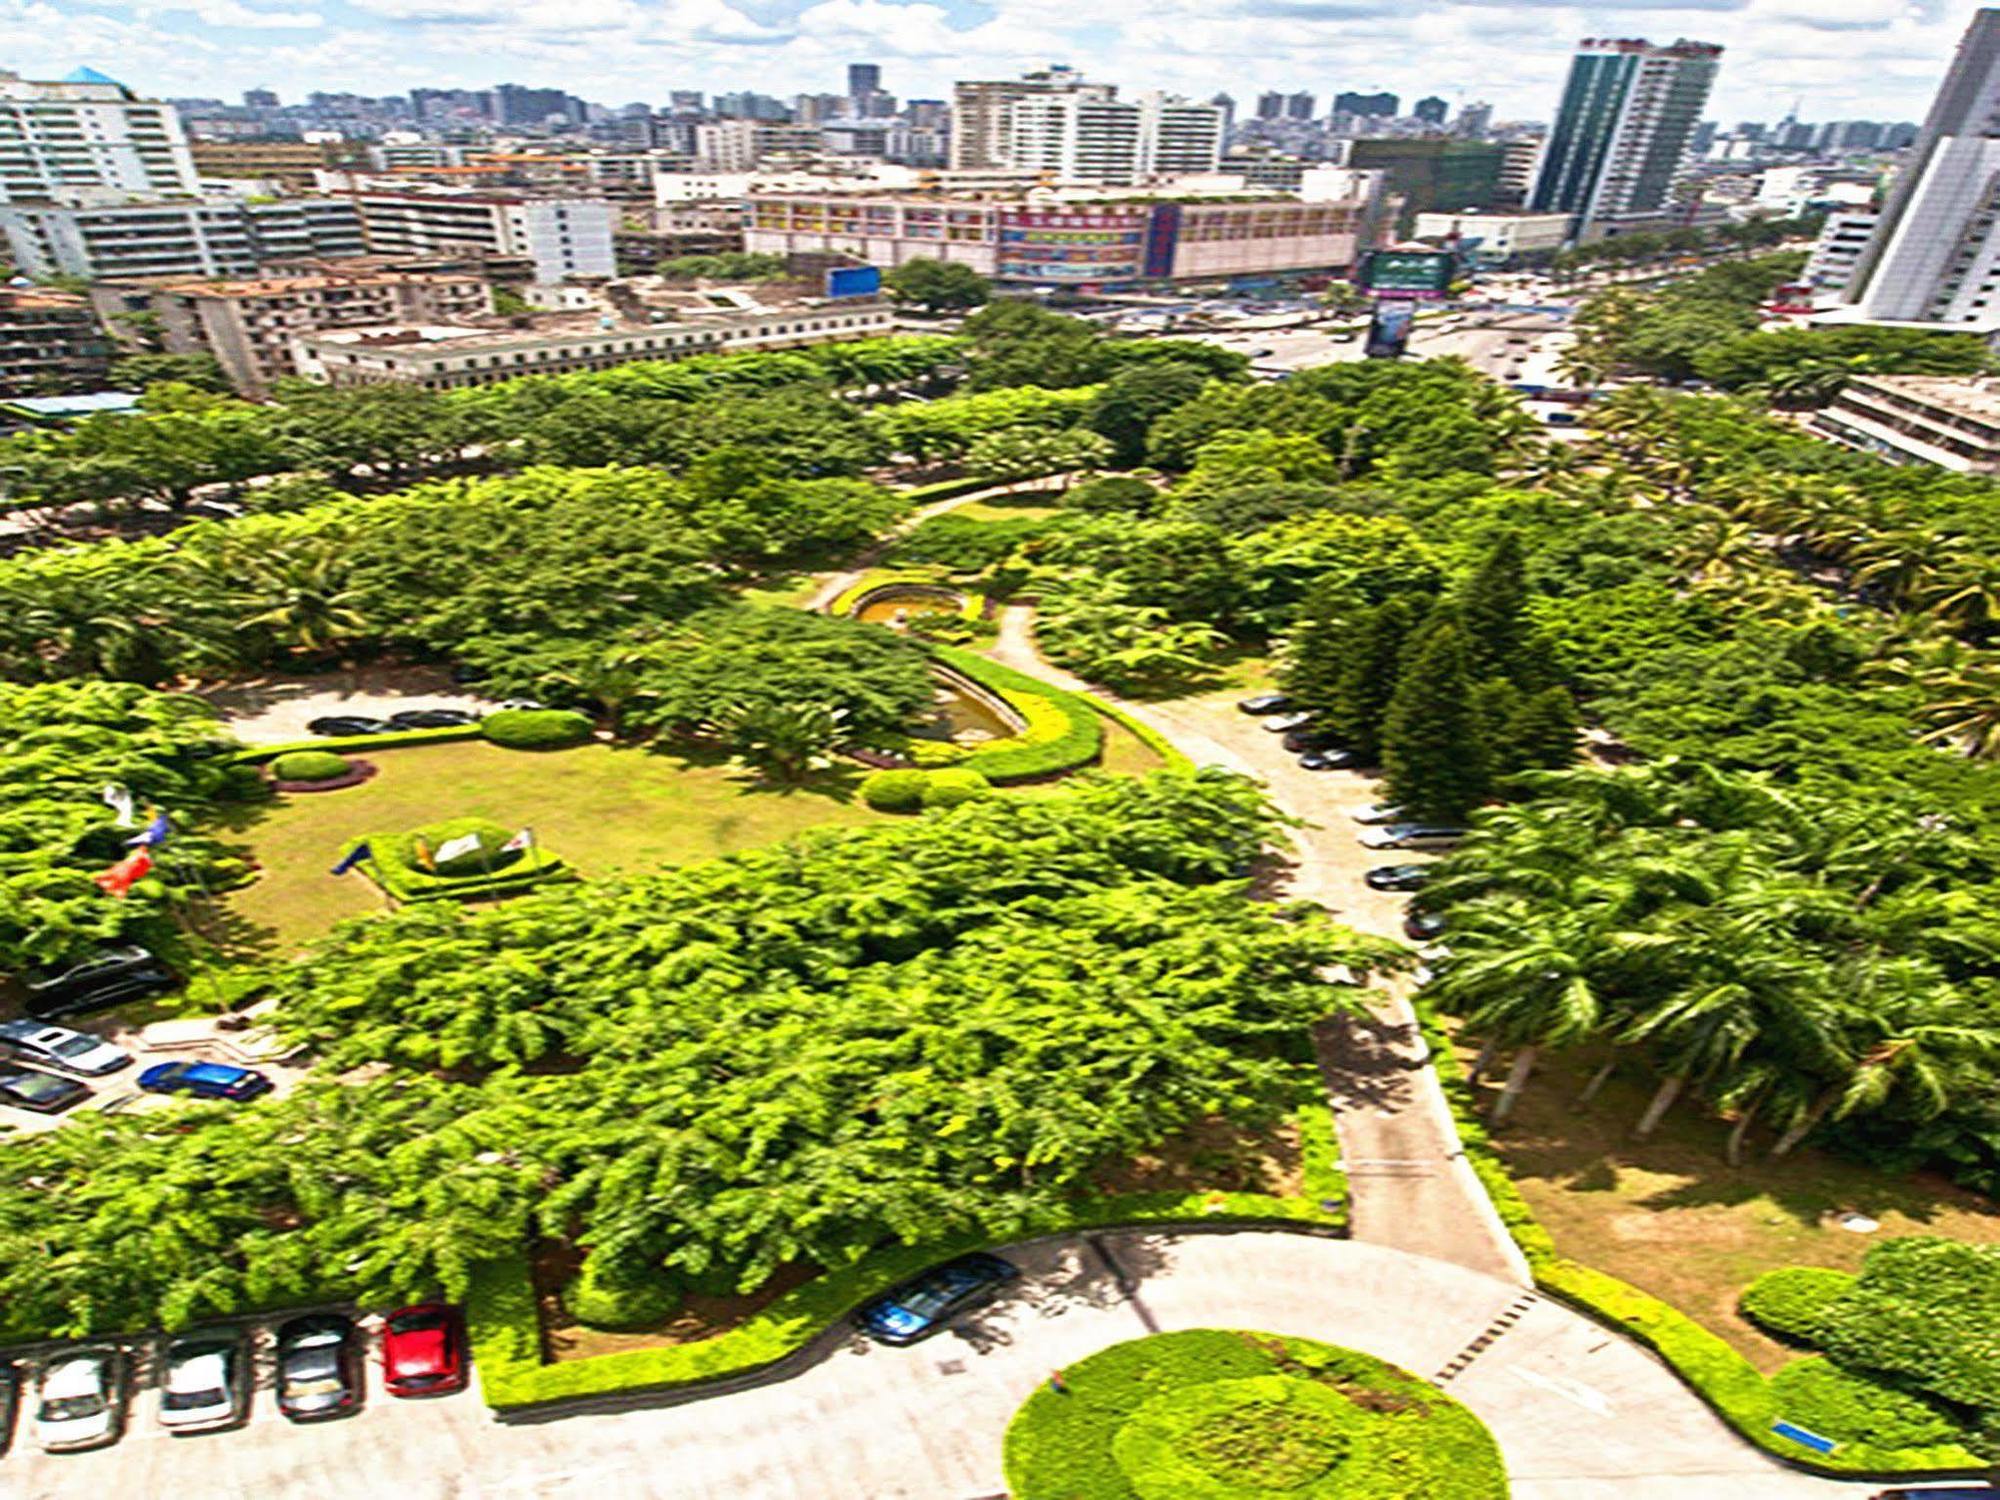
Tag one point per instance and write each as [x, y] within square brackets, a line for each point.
[562, 236]
[1474, 120]
[863, 79]
[1934, 256]
[982, 118]
[1373, 106]
[1270, 105]
[1628, 116]
[177, 237]
[1227, 104]
[1300, 106]
[1431, 110]
[89, 139]
[1091, 136]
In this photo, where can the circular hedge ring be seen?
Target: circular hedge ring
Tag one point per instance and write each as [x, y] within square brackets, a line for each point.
[1216, 1414]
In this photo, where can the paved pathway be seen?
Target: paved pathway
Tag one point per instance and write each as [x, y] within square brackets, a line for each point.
[1409, 1182]
[1577, 1412]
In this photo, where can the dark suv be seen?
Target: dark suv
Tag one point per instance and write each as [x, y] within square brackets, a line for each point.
[111, 977]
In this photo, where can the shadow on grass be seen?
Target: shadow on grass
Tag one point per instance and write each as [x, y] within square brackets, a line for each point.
[839, 783]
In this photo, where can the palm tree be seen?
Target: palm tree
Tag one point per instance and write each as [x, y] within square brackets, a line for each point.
[302, 600]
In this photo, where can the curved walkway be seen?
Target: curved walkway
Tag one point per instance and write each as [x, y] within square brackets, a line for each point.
[1577, 1412]
[1409, 1182]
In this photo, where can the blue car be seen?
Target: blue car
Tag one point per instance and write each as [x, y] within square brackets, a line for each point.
[919, 1308]
[204, 1080]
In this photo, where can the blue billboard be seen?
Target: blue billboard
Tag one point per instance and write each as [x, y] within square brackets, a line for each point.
[854, 281]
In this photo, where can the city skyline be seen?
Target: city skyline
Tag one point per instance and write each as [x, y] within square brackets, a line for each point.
[1880, 59]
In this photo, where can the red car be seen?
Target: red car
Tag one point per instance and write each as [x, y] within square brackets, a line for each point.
[423, 1351]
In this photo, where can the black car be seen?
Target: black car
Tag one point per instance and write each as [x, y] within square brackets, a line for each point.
[1265, 703]
[1329, 760]
[346, 724]
[920, 1307]
[1423, 926]
[432, 718]
[1299, 740]
[319, 1367]
[108, 978]
[1398, 877]
[44, 1093]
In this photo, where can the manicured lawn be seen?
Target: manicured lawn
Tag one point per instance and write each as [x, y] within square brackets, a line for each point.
[784, 591]
[1214, 1414]
[602, 808]
[1025, 509]
[1671, 1216]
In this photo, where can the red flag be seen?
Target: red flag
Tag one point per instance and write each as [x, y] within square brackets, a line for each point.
[120, 878]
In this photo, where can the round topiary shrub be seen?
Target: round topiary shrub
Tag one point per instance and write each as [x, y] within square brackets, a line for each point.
[893, 791]
[1211, 1414]
[309, 765]
[1792, 1302]
[619, 1296]
[953, 786]
[488, 856]
[536, 728]
[1115, 494]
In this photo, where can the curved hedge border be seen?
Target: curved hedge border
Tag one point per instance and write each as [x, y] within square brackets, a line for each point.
[850, 598]
[256, 755]
[1063, 733]
[505, 1329]
[1736, 1390]
[1151, 738]
[357, 772]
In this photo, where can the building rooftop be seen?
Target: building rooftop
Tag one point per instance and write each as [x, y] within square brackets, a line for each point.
[1968, 395]
[278, 286]
[69, 408]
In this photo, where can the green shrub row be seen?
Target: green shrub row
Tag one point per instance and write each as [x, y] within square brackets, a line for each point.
[351, 744]
[503, 1322]
[1148, 736]
[907, 791]
[844, 603]
[1733, 1387]
[1064, 731]
[945, 489]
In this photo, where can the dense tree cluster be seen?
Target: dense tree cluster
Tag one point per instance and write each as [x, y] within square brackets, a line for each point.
[898, 1034]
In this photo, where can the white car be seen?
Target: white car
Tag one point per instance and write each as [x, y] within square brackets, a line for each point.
[60, 1048]
[79, 1403]
[1412, 836]
[200, 1384]
[1376, 812]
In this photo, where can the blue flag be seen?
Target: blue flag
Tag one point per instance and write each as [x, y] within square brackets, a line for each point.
[351, 858]
[153, 833]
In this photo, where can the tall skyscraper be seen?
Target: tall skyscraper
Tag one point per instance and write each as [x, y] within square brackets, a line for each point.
[982, 114]
[1431, 110]
[1628, 114]
[1091, 136]
[863, 79]
[1300, 106]
[88, 138]
[1935, 254]
[1270, 105]
[1474, 120]
[1227, 105]
[1372, 105]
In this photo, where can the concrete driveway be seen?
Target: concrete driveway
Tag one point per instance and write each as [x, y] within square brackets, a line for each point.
[1577, 1411]
[275, 710]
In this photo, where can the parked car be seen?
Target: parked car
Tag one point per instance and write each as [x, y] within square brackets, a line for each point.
[1376, 812]
[423, 1351]
[80, 1402]
[319, 1367]
[432, 718]
[1286, 723]
[1423, 926]
[1970, 1489]
[60, 1048]
[109, 977]
[1398, 877]
[10, 1402]
[205, 1080]
[344, 724]
[528, 703]
[1311, 739]
[922, 1306]
[1412, 836]
[204, 1382]
[1329, 760]
[1265, 703]
[44, 1093]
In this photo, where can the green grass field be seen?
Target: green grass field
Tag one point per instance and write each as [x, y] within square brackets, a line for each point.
[603, 808]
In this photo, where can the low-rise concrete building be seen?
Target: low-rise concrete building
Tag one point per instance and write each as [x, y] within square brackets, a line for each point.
[443, 357]
[212, 237]
[1951, 422]
[1497, 239]
[50, 341]
[250, 326]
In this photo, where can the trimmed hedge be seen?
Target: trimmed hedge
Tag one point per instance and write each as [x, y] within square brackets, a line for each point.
[1792, 1302]
[946, 489]
[1733, 1387]
[893, 791]
[309, 765]
[1148, 736]
[1927, 1309]
[536, 728]
[954, 786]
[1819, 1395]
[392, 863]
[347, 744]
[504, 1325]
[1063, 730]
[972, 606]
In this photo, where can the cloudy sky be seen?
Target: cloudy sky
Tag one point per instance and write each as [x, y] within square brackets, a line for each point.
[1870, 59]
